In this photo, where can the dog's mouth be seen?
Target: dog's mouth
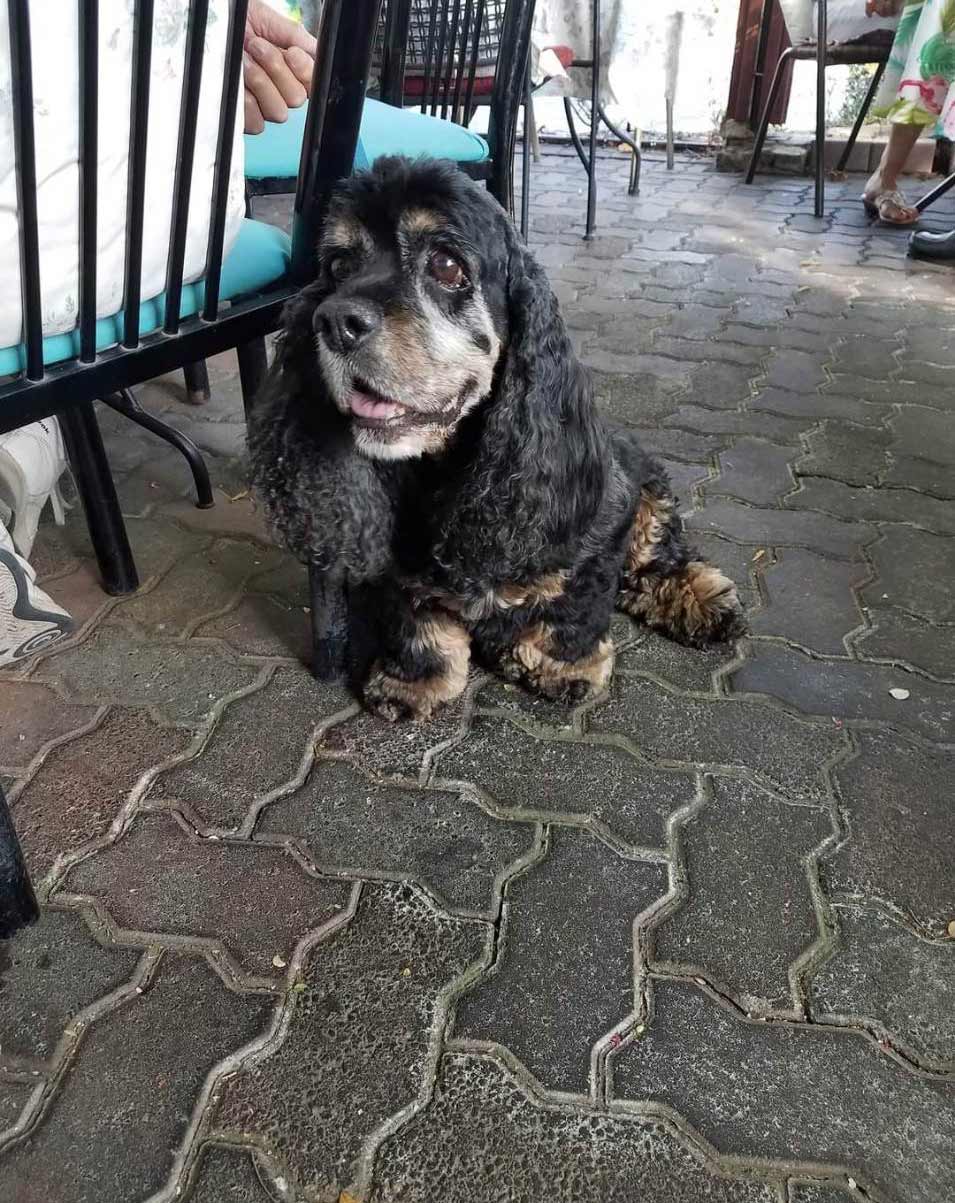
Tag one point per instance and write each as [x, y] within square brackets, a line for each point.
[371, 410]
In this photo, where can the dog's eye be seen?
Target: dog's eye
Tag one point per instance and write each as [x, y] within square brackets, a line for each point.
[341, 266]
[446, 270]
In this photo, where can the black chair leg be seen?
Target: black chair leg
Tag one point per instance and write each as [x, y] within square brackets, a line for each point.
[526, 159]
[764, 120]
[822, 28]
[936, 193]
[84, 445]
[253, 367]
[124, 402]
[329, 603]
[863, 111]
[634, 186]
[594, 120]
[17, 901]
[197, 382]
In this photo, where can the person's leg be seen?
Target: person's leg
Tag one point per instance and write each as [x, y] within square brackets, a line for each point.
[885, 179]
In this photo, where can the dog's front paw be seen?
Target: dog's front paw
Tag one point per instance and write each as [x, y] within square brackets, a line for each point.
[557, 680]
[395, 700]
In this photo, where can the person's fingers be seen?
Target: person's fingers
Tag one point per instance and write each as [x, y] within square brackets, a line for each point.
[254, 121]
[267, 96]
[272, 61]
[284, 32]
[301, 65]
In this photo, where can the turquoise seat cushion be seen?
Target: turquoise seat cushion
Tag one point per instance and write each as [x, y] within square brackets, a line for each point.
[260, 256]
[385, 130]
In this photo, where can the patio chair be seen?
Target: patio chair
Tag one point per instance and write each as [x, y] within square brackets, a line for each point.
[445, 57]
[800, 22]
[235, 304]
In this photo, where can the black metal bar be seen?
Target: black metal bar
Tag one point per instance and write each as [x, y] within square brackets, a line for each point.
[506, 98]
[185, 154]
[21, 67]
[462, 61]
[764, 120]
[861, 115]
[936, 193]
[334, 115]
[594, 122]
[395, 52]
[231, 83]
[526, 156]
[84, 445]
[125, 403]
[822, 35]
[329, 604]
[634, 186]
[136, 180]
[88, 103]
[447, 70]
[574, 136]
[759, 63]
[475, 55]
[18, 905]
[253, 368]
[439, 57]
[197, 382]
[118, 367]
[428, 58]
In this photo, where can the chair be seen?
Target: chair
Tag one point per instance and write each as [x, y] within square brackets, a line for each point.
[874, 49]
[446, 57]
[235, 304]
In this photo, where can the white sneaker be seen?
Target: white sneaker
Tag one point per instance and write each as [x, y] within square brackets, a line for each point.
[32, 460]
[29, 619]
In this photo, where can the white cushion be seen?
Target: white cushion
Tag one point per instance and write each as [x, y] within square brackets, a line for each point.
[56, 120]
[845, 20]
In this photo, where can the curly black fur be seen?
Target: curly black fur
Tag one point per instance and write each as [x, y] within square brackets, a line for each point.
[531, 486]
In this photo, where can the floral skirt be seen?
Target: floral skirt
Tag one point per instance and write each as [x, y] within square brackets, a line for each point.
[917, 86]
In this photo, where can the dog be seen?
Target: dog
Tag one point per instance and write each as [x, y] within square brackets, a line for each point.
[427, 427]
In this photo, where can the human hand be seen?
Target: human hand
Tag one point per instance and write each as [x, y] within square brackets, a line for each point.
[277, 66]
[883, 8]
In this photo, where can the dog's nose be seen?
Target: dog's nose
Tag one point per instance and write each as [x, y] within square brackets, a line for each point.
[345, 324]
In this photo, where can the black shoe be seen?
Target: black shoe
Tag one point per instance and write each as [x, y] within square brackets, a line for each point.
[923, 245]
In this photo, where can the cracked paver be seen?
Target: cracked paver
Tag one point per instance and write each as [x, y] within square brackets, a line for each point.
[509, 956]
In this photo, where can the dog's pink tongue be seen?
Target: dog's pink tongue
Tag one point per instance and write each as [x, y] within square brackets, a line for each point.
[370, 407]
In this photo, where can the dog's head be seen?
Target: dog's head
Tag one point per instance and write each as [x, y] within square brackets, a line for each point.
[411, 303]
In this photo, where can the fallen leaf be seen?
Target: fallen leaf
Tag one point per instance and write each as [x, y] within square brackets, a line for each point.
[899, 694]
[345, 1197]
[951, 929]
[759, 554]
[278, 962]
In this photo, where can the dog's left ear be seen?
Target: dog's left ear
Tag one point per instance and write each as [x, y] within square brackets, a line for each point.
[542, 421]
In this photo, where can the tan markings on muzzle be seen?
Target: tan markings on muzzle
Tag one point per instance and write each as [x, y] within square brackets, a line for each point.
[402, 346]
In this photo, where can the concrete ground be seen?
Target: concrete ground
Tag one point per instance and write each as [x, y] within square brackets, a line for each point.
[692, 941]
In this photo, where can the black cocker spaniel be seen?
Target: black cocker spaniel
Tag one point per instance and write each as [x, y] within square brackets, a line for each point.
[427, 426]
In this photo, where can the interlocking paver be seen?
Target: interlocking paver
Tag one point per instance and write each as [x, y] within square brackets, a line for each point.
[258, 745]
[668, 726]
[80, 787]
[868, 504]
[52, 972]
[883, 974]
[131, 1088]
[855, 456]
[228, 1175]
[222, 892]
[902, 637]
[914, 570]
[567, 932]
[31, 716]
[355, 1043]
[794, 1091]
[899, 845]
[439, 837]
[848, 690]
[769, 527]
[744, 929]
[755, 471]
[483, 1140]
[649, 654]
[181, 681]
[810, 600]
[548, 779]
[818, 405]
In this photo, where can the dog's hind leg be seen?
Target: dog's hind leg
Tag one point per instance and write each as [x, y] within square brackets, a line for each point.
[665, 585]
[425, 666]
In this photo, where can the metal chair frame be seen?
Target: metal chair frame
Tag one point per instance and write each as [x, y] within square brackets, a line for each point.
[836, 54]
[69, 389]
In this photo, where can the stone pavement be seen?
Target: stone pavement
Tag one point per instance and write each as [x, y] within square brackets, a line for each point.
[692, 941]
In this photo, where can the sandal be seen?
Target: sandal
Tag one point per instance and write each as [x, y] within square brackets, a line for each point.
[882, 204]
